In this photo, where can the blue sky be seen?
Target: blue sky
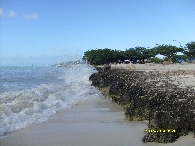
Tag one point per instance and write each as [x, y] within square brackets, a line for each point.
[52, 31]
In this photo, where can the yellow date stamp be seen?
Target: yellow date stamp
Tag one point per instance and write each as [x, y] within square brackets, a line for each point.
[160, 130]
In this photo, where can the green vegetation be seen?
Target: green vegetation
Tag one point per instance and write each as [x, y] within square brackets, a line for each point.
[156, 60]
[105, 56]
[168, 50]
[190, 49]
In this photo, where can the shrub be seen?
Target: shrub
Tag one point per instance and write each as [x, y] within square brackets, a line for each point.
[156, 60]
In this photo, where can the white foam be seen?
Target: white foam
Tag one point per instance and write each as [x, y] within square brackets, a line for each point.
[20, 109]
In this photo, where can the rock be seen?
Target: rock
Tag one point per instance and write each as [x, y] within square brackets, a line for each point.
[107, 66]
[166, 106]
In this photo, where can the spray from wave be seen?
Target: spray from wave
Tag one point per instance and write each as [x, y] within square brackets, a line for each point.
[20, 109]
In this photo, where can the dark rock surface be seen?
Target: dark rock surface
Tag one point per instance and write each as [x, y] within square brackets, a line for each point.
[165, 106]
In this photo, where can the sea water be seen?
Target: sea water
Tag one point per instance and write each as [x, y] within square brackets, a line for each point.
[30, 95]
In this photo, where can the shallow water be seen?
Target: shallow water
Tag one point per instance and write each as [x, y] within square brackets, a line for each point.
[30, 95]
[19, 78]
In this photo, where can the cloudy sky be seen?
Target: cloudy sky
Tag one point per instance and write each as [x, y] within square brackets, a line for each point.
[52, 31]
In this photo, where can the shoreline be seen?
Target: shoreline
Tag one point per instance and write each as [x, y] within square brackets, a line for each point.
[97, 123]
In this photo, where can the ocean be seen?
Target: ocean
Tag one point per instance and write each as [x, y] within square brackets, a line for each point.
[30, 95]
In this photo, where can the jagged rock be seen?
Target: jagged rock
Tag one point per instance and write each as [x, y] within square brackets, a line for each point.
[149, 96]
[107, 66]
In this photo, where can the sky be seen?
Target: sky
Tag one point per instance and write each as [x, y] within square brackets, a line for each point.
[45, 32]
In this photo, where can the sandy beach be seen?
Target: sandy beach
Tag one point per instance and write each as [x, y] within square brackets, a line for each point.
[156, 67]
[95, 123]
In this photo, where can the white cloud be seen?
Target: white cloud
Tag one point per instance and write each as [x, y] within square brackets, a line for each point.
[1, 12]
[11, 14]
[31, 16]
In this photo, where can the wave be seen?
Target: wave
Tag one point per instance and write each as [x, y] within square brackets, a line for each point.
[20, 109]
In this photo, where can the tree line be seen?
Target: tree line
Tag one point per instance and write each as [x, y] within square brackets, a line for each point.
[105, 56]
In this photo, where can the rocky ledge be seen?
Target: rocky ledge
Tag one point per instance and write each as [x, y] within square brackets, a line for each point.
[151, 96]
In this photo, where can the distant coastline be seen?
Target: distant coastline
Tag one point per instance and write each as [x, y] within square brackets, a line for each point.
[64, 64]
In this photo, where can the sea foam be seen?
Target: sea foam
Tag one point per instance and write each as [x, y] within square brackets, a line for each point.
[20, 109]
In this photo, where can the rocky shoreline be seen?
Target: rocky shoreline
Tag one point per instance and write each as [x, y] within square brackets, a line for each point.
[151, 96]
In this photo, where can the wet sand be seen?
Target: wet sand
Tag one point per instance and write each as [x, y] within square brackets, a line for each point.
[95, 123]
